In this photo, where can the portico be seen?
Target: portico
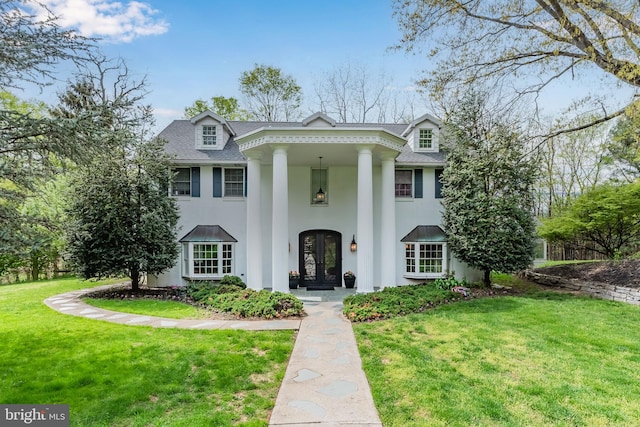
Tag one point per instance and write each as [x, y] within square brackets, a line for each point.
[349, 155]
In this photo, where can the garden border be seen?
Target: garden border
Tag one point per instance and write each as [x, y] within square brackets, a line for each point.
[595, 289]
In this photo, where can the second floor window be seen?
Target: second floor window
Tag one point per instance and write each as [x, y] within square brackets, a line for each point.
[181, 185]
[233, 182]
[404, 181]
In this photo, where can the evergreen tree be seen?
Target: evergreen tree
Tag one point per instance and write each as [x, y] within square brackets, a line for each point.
[123, 221]
[487, 190]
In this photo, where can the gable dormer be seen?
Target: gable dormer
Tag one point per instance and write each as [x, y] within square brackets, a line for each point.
[211, 131]
[319, 120]
[423, 134]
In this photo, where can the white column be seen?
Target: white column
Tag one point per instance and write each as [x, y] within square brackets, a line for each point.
[364, 275]
[388, 223]
[280, 224]
[254, 225]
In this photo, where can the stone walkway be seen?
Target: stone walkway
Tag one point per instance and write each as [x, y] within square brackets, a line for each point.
[324, 384]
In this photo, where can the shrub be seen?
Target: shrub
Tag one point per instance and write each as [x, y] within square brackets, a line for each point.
[249, 303]
[448, 283]
[391, 302]
[233, 280]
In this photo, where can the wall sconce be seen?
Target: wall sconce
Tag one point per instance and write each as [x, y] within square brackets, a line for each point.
[320, 193]
[354, 245]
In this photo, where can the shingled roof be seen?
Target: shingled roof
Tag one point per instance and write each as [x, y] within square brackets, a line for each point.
[180, 137]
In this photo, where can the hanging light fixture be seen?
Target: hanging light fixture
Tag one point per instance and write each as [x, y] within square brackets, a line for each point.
[354, 245]
[320, 193]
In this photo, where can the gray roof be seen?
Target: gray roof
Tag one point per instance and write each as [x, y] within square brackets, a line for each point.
[425, 233]
[208, 233]
[180, 136]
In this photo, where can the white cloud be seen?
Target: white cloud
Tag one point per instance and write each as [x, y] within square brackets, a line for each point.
[107, 19]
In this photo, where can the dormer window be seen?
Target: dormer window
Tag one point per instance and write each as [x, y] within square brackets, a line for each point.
[425, 141]
[209, 135]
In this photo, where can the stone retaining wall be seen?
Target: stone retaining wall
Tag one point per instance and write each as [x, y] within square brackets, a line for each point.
[596, 289]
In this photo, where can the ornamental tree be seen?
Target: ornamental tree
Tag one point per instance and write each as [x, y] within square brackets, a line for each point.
[608, 215]
[487, 189]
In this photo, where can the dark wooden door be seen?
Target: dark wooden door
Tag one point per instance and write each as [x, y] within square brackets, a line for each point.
[320, 259]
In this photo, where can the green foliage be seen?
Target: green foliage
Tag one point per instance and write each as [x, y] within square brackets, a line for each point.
[246, 303]
[233, 281]
[608, 215]
[448, 283]
[623, 147]
[271, 95]
[392, 302]
[227, 108]
[487, 189]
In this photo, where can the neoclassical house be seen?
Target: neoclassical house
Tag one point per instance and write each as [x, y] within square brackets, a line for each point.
[261, 199]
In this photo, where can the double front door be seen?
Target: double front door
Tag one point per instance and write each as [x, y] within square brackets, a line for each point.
[320, 259]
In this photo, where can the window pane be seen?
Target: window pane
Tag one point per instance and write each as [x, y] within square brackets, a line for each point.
[181, 185]
[208, 135]
[234, 182]
[430, 258]
[426, 138]
[205, 258]
[404, 183]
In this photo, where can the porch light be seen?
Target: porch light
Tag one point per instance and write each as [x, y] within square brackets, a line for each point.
[354, 245]
[320, 193]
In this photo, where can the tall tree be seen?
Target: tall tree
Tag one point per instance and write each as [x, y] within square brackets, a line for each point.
[228, 108]
[623, 147]
[571, 164]
[271, 94]
[487, 189]
[123, 221]
[33, 145]
[350, 94]
[528, 44]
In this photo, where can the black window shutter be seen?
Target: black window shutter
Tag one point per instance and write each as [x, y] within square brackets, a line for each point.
[195, 182]
[417, 176]
[438, 183]
[217, 182]
[245, 182]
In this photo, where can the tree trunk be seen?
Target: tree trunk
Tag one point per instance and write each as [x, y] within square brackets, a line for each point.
[487, 277]
[135, 279]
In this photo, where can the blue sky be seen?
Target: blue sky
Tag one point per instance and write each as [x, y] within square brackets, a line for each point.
[198, 49]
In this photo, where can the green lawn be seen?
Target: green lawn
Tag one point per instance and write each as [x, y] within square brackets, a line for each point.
[550, 359]
[116, 375]
[151, 307]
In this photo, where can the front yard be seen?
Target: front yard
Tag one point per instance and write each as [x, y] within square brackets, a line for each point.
[545, 359]
[116, 375]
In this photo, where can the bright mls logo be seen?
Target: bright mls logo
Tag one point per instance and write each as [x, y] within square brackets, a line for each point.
[34, 415]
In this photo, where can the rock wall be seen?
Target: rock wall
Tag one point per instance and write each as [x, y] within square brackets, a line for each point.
[596, 289]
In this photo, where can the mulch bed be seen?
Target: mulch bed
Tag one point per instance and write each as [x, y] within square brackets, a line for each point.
[622, 273]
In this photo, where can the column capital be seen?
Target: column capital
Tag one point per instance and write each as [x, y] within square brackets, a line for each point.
[279, 148]
[365, 148]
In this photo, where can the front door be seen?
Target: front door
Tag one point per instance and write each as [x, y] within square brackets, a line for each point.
[320, 259]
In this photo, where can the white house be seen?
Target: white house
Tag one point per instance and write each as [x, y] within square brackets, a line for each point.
[261, 199]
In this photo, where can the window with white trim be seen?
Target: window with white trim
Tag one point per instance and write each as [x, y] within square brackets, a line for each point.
[425, 259]
[233, 182]
[181, 184]
[404, 183]
[209, 135]
[207, 260]
[425, 139]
